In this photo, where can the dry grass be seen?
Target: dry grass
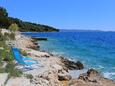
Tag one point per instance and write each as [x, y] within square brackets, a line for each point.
[64, 83]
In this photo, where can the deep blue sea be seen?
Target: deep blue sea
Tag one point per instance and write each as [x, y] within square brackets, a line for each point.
[94, 49]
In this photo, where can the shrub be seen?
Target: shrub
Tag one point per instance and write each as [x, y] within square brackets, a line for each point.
[2, 37]
[13, 72]
[2, 44]
[2, 70]
[29, 76]
[12, 36]
[14, 27]
[1, 64]
[6, 55]
[3, 54]
[9, 36]
[23, 52]
[6, 36]
[3, 12]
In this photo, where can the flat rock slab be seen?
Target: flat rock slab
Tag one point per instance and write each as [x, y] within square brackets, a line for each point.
[37, 71]
[20, 81]
[75, 73]
[3, 78]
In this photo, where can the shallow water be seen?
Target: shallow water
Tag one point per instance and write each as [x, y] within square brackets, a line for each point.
[94, 49]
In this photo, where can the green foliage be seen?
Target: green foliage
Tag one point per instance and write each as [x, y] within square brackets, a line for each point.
[3, 12]
[27, 26]
[13, 27]
[13, 72]
[12, 36]
[6, 55]
[9, 36]
[2, 37]
[5, 51]
[3, 55]
[1, 64]
[23, 52]
[2, 70]
[2, 44]
[29, 76]
[10, 68]
[6, 21]
[6, 35]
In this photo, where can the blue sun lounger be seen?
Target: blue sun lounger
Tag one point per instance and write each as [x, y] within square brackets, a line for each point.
[23, 61]
[23, 57]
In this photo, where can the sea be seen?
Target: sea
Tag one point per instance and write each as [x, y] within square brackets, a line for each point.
[95, 49]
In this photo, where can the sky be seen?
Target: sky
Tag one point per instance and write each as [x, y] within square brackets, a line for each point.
[65, 14]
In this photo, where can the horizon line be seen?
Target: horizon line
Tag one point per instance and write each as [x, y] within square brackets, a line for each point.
[87, 30]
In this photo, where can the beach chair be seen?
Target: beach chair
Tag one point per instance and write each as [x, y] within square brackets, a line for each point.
[23, 57]
[21, 61]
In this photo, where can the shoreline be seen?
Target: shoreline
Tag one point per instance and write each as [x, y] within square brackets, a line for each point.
[55, 70]
[77, 72]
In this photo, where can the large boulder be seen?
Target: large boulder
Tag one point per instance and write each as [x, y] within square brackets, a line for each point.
[91, 78]
[62, 77]
[91, 75]
[47, 78]
[71, 65]
[62, 74]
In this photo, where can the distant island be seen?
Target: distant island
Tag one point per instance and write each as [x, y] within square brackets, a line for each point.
[6, 21]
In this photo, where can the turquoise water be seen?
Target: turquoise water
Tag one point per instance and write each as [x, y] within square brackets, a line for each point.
[94, 49]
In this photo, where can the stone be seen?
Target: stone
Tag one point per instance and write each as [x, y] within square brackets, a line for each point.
[71, 65]
[91, 78]
[92, 72]
[3, 78]
[19, 81]
[91, 75]
[47, 78]
[62, 77]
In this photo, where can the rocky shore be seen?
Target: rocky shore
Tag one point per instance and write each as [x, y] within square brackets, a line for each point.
[53, 70]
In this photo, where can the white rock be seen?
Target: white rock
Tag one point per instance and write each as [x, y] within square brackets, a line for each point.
[3, 78]
[58, 67]
[20, 81]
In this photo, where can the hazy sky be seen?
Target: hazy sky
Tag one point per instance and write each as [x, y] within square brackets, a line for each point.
[65, 14]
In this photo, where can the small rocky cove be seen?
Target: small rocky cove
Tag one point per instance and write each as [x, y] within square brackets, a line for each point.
[52, 70]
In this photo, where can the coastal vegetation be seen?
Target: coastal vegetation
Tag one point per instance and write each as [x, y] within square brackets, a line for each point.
[14, 27]
[6, 57]
[7, 22]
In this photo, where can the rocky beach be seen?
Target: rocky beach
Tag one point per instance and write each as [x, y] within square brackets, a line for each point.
[51, 70]
[57, 43]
